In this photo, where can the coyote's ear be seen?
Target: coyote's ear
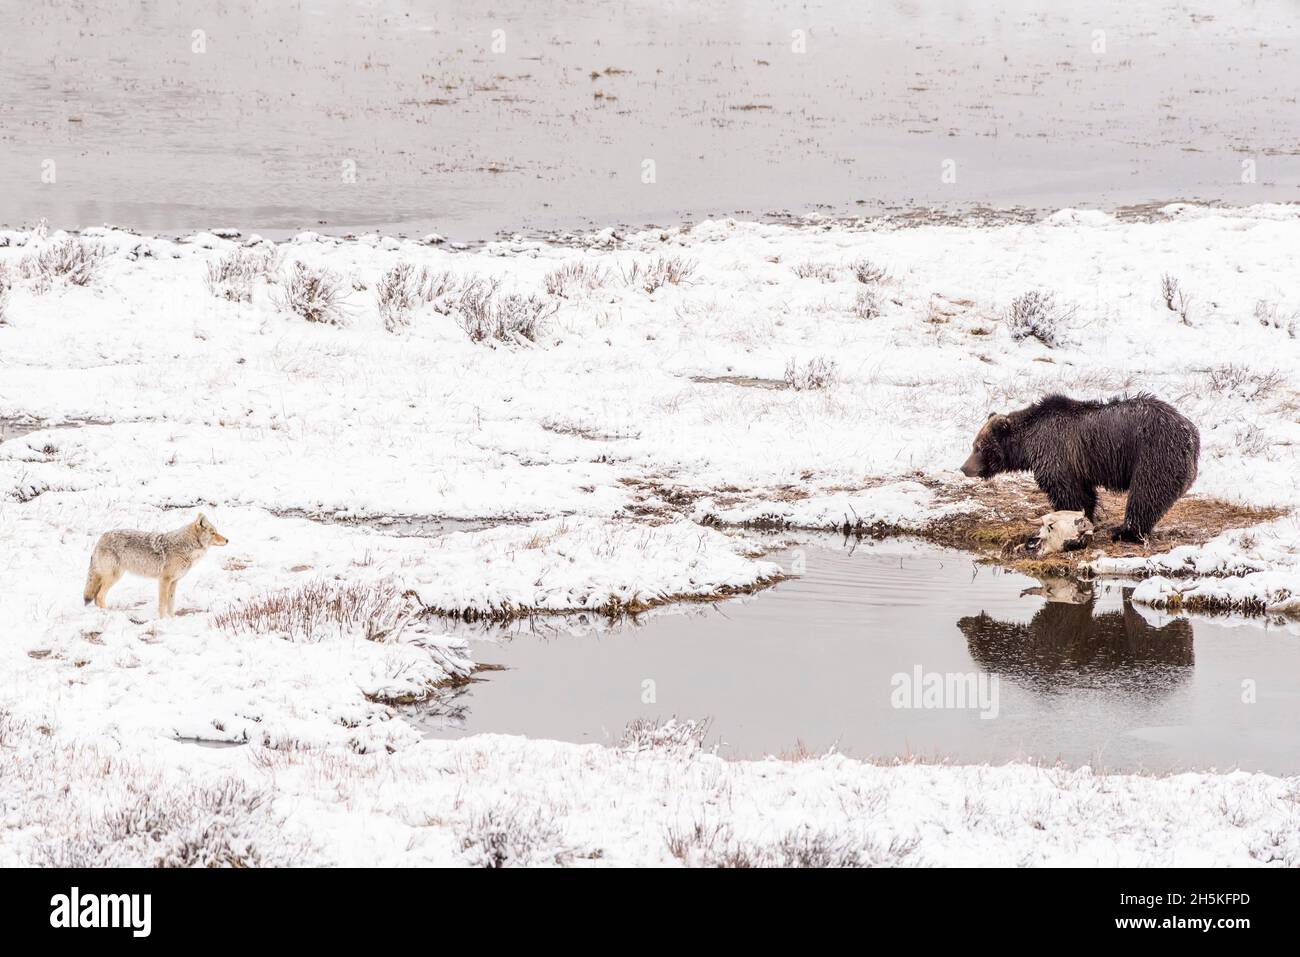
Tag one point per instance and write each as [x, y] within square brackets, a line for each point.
[198, 519]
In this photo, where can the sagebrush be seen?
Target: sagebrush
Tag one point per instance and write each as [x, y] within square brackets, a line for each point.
[404, 289]
[869, 273]
[866, 304]
[1176, 300]
[672, 735]
[232, 276]
[6, 286]
[486, 314]
[1037, 315]
[663, 270]
[824, 272]
[507, 836]
[574, 278]
[816, 373]
[316, 295]
[703, 844]
[72, 261]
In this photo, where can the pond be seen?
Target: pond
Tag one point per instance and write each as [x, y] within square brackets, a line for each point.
[906, 649]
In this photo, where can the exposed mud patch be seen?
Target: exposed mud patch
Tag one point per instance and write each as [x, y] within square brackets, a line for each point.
[399, 526]
[1004, 513]
[745, 381]
[14, 428]
[657, 496]
[1011, 506]
[577, 431]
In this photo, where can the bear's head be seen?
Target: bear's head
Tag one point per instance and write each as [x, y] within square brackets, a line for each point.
[987, 457]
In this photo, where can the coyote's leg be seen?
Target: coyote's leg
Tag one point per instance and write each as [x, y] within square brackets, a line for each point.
[164, 597]
[171, 596]
[106, 581]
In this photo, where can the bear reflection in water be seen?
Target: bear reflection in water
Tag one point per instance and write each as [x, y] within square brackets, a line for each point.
[1066, 645]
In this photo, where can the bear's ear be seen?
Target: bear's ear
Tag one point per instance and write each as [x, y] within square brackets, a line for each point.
[997, 423]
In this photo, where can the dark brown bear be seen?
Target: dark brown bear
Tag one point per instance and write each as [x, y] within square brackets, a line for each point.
[1138, 445]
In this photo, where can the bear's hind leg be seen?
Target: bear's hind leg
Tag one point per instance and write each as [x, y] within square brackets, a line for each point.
[1150, 496]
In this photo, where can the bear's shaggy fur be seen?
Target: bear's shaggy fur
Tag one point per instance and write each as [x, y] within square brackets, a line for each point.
[1135, 444]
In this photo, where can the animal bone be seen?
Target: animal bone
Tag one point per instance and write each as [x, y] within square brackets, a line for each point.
[1062, 532]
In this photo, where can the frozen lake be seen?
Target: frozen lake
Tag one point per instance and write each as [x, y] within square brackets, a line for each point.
[530, 116]
[813, 663]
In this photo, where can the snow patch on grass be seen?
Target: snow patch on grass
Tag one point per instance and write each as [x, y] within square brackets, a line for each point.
[901, 506]
[576, 564]
[1244, 570]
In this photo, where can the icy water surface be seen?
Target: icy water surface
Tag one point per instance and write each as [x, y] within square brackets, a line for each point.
[814, 661]
[16, 428]
[531, 115]
[12, 429]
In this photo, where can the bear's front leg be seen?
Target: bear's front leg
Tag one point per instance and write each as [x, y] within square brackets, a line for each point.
[1068, 495]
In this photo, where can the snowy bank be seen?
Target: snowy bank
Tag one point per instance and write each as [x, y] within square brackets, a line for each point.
[507, 801]
[1245, 570]
[575, 565]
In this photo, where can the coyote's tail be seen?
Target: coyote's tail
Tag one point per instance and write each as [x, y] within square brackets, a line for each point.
[92, 584]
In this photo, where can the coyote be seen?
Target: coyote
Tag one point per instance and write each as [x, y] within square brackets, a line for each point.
[166, 556]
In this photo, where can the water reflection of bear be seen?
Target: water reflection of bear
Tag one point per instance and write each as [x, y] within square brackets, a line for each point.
[1065, 645]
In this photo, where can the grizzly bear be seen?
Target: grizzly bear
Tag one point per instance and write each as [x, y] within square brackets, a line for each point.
[1135, 444]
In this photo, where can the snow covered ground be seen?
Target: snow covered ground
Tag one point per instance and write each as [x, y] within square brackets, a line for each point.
[494, 800]
[677, 383]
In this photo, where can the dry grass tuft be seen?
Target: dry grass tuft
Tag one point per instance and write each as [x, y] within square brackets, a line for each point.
[823, 272]
[817, 373]
[74, 262]
[377, 611]
[1176, 300]
[1241, 381]
[403, 289]
[6, 285]
[868, 272]
[866, 304]
[672, 736]
[1036, 315]
[664, 270]
[316, 295]
[507, 836]
[193, 828]
[575, 278]
[715, 845]
[1270, 315]
[233, 275]
[488, 315]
